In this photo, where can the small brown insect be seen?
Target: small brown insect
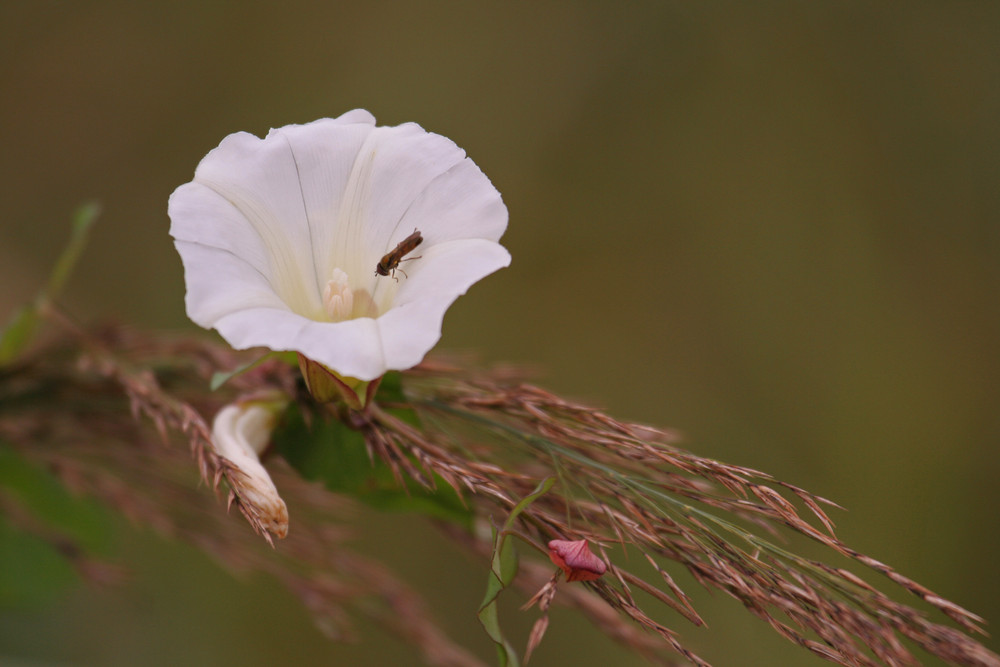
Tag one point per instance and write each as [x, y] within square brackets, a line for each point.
[390, 262]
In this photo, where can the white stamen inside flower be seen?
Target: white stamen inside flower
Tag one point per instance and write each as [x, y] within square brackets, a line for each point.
[338, 297]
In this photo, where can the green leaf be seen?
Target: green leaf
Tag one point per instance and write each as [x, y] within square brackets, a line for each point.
[330, 452]
[22, 326]
[503, 569]
[222, 377]
[543, 487]
[81, 520]
[32, 572]
[390, 388]
[83, 220]
[18, 332]
[392, 396]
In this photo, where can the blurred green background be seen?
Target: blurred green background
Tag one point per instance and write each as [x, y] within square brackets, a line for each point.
[774, 226]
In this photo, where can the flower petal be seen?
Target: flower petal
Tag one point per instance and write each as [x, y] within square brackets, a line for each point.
[413, 325]
[220, 283]
[451, 268]
[267, 224]
[459, 204]
[266, 201]
[406, 160]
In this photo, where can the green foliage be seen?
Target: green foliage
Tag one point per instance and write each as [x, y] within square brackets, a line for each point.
[34, 566]
[390, 390]
[503, 569]
[18, 332]
[331, 452]
[81, 520]
[23, 324]
[222, 377]
[32, 571]
[83, 220]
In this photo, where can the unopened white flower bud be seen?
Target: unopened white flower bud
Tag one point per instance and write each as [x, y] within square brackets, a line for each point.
[240, 433]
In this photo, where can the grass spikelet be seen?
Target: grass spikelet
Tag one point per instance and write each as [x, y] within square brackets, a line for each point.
[97, 408]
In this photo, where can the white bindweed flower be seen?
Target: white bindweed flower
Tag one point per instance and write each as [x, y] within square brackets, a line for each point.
[280, 239]
[240, 432]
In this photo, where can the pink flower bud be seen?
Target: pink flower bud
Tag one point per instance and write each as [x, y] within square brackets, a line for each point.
[576, 560]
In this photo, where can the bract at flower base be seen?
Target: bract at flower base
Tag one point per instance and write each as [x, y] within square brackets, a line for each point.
[326, 385]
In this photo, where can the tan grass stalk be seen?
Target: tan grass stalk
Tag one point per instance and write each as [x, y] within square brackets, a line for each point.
[628, 489]
[73, 415]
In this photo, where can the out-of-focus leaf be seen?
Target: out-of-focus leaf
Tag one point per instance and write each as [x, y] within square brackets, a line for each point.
[391, 396]
[390, 388]
[18, 332]
[47, 500]
[23, 324]
[33, 566]
[83, 220]
[32, 571]
[329, 451]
